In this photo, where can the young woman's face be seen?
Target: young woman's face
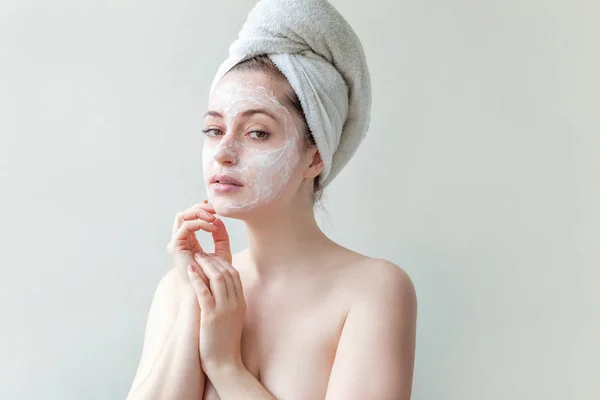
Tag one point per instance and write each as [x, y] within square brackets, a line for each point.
[253, 143]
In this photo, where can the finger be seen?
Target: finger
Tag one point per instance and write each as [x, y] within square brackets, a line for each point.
[218, 286]
[205, 298]
[211, 207]
[235, 277]
[205, 210]
[237, 281]
[199, 211]
[177, 223]
[221, 240]
[190, 227]
[193, 214]
[199, 271]
[220, 264]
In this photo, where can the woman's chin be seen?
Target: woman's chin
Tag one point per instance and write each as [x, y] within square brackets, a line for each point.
[227, 207]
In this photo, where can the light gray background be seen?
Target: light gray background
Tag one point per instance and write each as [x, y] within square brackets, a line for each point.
[479, 176]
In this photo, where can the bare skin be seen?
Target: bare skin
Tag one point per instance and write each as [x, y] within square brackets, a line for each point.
[293, 323]
[294, 320]
[311, 320]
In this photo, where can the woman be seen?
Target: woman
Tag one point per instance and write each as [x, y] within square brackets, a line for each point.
[295, 315]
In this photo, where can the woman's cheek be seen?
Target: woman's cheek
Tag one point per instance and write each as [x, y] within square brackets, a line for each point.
[265, 175]
[249, 174]
[273, 173]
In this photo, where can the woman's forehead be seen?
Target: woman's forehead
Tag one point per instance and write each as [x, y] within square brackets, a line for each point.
[256, 85]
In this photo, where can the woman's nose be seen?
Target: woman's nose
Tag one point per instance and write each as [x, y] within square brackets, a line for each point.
[226, 150]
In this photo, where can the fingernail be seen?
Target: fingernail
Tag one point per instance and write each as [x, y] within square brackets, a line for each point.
[191, 268]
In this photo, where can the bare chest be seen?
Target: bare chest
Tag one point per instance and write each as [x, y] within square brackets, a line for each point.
[289, 344]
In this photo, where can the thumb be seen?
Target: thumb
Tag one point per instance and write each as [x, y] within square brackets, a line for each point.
[221, 241]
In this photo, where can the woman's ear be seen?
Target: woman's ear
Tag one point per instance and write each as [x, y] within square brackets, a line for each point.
[316, 163]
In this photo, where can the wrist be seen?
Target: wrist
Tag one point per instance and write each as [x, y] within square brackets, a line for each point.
[224, 371]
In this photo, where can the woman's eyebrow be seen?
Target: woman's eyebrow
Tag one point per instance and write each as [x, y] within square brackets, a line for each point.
[252, 111]
[245, 113]
[212, 114]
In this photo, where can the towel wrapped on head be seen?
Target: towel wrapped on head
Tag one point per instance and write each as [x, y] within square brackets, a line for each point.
[323, 60]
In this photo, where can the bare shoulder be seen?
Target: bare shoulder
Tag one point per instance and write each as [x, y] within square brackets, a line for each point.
[385, 275]
[375, 280]
[375, 355]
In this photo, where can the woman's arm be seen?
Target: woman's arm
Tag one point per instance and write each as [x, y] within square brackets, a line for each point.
[375, 355]
[170, 365]
[238, 383]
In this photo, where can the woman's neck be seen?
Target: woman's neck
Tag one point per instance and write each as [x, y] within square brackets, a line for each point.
[284, 242]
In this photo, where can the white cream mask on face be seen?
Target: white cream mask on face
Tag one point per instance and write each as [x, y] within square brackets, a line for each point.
[264, 169]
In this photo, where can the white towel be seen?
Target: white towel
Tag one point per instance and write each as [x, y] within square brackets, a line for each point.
[324, 62]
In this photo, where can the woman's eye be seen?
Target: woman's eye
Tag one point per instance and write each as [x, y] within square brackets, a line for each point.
[259, 135]
[212, 132]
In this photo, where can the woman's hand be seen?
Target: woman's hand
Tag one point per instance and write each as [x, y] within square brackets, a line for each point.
[184, 244]
[222, 309]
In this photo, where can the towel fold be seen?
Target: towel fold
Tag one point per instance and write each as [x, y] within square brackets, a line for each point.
[323, 60]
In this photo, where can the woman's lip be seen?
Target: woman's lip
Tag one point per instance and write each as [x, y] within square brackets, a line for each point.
[225, 179]
[224, 187]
